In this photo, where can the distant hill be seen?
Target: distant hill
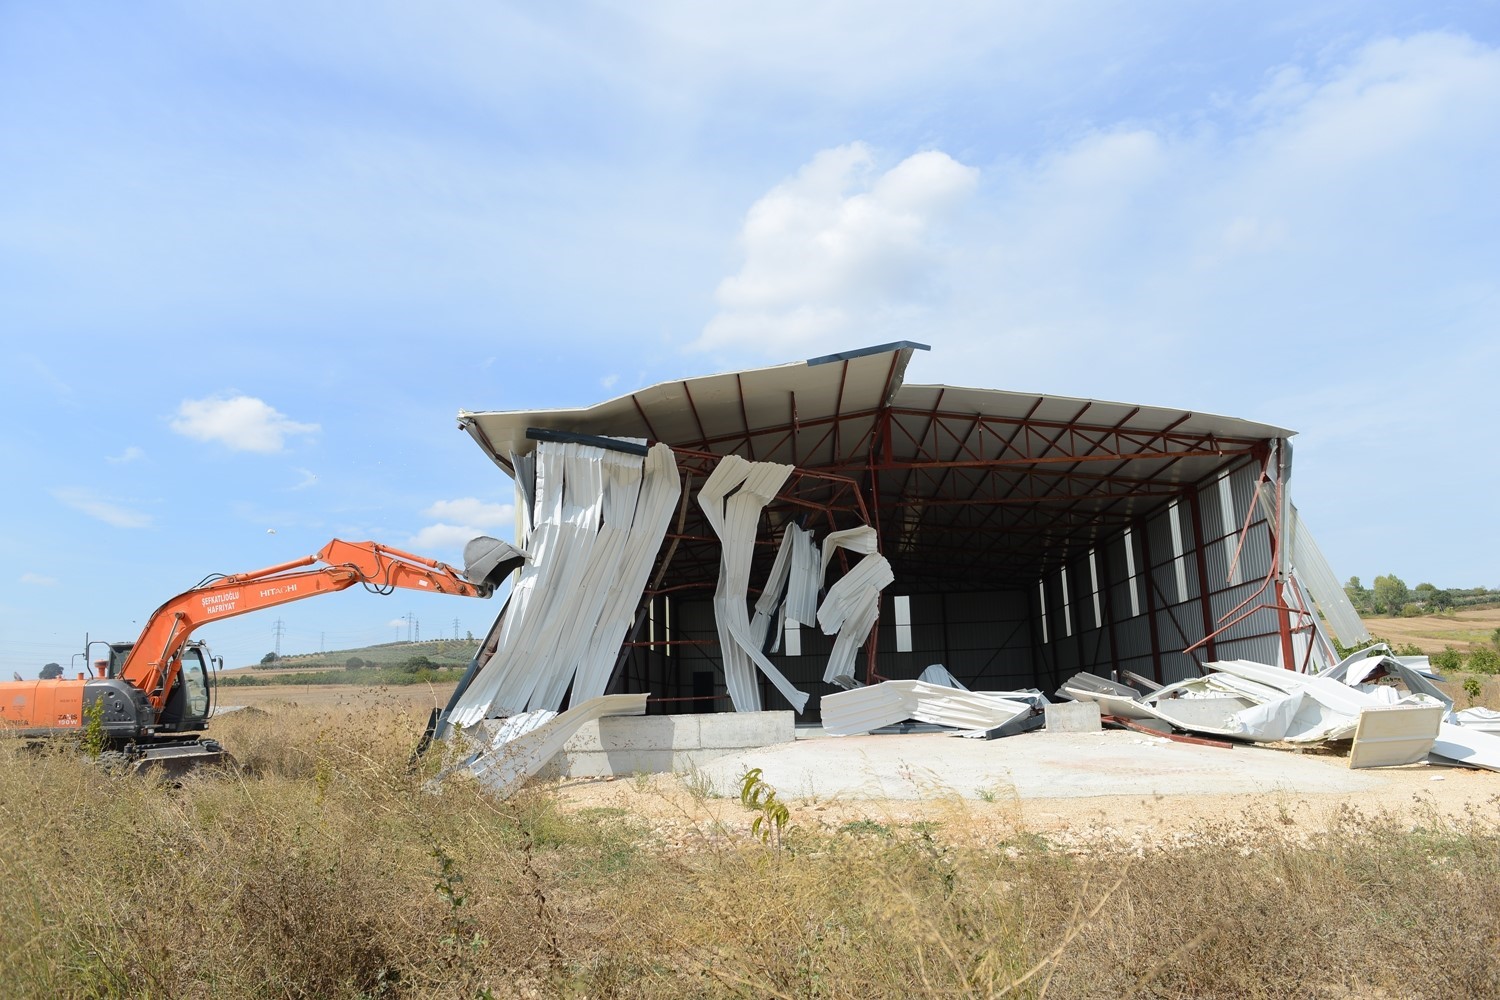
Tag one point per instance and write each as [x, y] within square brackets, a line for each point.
[441, 652]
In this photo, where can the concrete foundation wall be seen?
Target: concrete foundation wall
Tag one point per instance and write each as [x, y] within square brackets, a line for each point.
[659, 743]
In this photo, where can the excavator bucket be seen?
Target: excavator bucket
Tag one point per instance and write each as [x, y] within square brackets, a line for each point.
[487, 561]
[173, 760]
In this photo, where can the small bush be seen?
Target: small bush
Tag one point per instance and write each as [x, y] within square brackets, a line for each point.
[1448, 659]
[354, 663]
[1484, 660]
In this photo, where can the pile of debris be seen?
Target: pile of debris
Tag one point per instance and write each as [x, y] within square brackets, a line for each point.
[1384, 708]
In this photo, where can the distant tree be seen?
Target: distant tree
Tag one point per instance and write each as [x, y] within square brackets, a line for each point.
[354, 663]
[1390, 594]
[1442, 600]
[268, 659]
[51, 672]
[469, 636]
[416, 664]
[1358, 595]
[1424, 592]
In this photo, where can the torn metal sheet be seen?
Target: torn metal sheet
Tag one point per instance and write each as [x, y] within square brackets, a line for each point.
[938, 674]
[1484, 720]
[597, 520]
[1113, 699]
[519, 747]
[848, 713]
[861, 540]
[805, 579]
[770, 610]
[1391, 735]
[732, 500]
[1470, 747]
[850, 611]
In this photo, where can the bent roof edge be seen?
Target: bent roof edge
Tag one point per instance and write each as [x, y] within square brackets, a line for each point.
[699, 409]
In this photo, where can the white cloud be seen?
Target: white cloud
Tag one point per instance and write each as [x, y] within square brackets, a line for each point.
[130, 454]
[838, 250]
[85, 501]
[458, 521]
[38, 580]
[608, 381]
[243, 423]
[471, 511]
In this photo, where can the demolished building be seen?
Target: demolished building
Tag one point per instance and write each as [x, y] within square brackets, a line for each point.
[760, 538]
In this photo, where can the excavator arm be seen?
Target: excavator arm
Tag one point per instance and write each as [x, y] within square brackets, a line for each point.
[153, 661]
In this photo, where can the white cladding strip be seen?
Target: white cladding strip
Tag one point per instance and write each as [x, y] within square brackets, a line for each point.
[850, 610]
[769, 617]
[570, 488]
[847, 713]
[652, 516]
[1313, 568]
[596, 528]
[521, 747]
[862, 540]
[735, 518]
[806, 579]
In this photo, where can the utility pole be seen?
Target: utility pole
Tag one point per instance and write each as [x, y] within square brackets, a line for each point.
[455, 628]
[320, 641]
[280, 628]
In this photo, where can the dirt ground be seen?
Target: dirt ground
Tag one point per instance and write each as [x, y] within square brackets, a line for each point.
[683, 811]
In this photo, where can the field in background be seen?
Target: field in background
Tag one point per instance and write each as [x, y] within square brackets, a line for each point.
[441, 652]
[324, 869]
[1430, 633]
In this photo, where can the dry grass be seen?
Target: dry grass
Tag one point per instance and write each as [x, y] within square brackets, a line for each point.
[322, 870]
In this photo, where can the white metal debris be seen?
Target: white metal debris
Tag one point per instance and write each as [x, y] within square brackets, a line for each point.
[850, 610]
[1390, 735]
[732, 499]
[516, 748]
[594, 525]
[938, 674]
[1484, 720]
[847, 713]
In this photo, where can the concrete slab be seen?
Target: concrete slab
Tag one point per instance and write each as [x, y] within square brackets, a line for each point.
[654, 744]
[1073, 717]
[1031, 766]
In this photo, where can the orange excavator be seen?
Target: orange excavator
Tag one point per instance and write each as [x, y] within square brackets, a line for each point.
[153, 696]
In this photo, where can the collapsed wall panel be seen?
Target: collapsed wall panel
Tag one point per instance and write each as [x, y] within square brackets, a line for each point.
[597, 520]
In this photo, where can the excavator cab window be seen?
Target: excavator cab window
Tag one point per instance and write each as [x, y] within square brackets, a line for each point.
[188, 701]
[195, 683]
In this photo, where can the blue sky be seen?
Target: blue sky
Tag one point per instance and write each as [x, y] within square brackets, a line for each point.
[255, 257]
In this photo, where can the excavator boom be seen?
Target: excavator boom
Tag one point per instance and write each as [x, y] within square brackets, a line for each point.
[380, 568]
[149, 699]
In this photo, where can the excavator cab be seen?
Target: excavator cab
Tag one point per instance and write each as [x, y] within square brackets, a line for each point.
[190, 702]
